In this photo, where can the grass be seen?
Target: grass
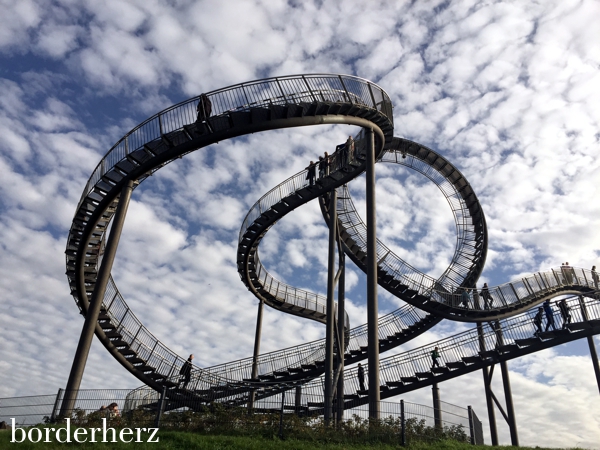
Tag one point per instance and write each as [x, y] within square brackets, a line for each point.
[175, 440]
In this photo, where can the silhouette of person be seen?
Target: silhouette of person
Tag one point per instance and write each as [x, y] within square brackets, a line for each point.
[537, 320]
[595, 276]
[186, 372]
[311, 174]
[113, 410]
[435, 355]
[568, 273]
[495, 325]
[204, 108]
[349, 150]
[476, 303]
[549, 315]
[485, 295]
[565, 312]
[464, 298]
[321, 165]
[361, 377]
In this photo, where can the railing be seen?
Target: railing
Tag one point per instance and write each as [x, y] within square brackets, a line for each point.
[282, 291]
[140, 408]
[308, 353]
[518, 292]
[469, 343]
[242, 97]
[267, 93]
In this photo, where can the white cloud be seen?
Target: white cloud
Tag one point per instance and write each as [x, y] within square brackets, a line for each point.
[508, 92]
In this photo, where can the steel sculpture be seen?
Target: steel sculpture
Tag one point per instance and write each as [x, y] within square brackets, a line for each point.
[305, 100]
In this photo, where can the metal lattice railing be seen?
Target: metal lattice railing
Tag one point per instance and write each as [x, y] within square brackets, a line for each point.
[294, 89]
[455, 349]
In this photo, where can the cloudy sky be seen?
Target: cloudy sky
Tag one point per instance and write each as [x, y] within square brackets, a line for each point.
[508, 91]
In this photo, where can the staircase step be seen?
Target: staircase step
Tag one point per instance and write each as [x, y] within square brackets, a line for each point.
[113, 334]
[508, 348]
[440, 370]
[527, 341]
[395, 383]
[409, 379]
[282, 373]
[136, 361]
[424, 374]
[472, 359]
[579, 326]
[456, 364]
[488, 353]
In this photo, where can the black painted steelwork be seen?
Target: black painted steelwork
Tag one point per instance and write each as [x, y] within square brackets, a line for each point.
[93, 312]
[302, 101]
[372, 304]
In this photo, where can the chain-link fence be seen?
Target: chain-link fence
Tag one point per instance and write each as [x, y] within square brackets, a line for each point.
[282, 414]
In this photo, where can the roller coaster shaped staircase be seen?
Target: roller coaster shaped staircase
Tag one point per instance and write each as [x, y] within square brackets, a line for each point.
[282, 102]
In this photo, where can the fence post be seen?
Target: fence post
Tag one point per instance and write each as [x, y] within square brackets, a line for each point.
[161, 407]
[281, 415]
[55, 408]
[402, 425]
[471, 425]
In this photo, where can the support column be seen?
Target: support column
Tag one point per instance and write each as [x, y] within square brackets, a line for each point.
[594, 356]
[591, 344]
[510, 411]
[91, 316]
[341, 331]
[488, 390]
[257, 336]
[329, 330]
[298, 399]
[437, 407]
[372, 307]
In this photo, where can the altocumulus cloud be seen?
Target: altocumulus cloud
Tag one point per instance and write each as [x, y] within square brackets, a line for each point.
[507, 91]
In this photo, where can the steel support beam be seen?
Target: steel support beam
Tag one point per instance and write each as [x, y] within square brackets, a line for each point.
[437, 407]
[488, 390]
[372, 307]
[510, 411]
[341, 320]
[93, 311]
[591, 344]
[594, 355]
[329, 326]
[257, 336]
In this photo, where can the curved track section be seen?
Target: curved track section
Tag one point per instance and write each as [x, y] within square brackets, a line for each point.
[237, 110]
[272, 104]
[469, 351]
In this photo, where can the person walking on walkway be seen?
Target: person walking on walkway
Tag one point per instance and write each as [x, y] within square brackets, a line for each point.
[595, 276]
[322, 165]
[485, 295]
[549, 315]
[312, 173]
[537, 321]
[568, 273]
[204, 108]
[186, 372]
[435, 355]
[361, 377]
[465, 298]
[565, 312]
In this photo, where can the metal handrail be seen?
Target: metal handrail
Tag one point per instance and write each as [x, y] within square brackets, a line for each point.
[470, 343]
[267, 92]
